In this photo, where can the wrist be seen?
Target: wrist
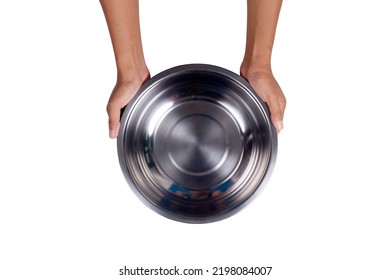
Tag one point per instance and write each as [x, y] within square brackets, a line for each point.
[132, 73]
[255, 70]
[130, 63]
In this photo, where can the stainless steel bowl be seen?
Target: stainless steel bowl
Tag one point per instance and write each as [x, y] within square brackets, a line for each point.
[196, 144]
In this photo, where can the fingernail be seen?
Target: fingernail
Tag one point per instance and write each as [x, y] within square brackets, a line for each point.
[112, 134]
[279, 126]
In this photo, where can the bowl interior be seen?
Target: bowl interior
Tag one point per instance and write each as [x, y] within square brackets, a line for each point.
[196, 144]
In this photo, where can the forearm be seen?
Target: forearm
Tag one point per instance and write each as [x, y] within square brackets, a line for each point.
[256, 67]
[262, 20]
[122, 18]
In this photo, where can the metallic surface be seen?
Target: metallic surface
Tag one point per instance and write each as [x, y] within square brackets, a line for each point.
[196, 143]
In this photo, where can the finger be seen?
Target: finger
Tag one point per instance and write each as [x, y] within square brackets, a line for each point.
[282, 103]
[277, 119]
[277, 113]
[113, 111]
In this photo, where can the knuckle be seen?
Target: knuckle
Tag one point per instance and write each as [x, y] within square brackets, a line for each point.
[111, 106]
[283, 101]
[111, 123]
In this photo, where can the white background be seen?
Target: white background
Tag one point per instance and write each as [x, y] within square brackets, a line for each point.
[66, 211]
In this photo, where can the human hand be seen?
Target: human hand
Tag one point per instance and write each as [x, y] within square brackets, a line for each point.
[121, 95]
[268, 89]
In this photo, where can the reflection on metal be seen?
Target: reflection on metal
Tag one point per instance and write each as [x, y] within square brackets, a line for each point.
[196, 143]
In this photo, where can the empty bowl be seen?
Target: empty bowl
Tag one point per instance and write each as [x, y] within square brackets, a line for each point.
[196, 143]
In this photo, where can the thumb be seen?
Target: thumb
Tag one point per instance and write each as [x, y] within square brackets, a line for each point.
[113, 111]
[276, 115]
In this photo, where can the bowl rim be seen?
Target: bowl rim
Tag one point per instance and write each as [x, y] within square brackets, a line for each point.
[180, 70]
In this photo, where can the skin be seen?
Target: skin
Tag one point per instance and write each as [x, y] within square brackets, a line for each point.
[122, 18]
[262, 20]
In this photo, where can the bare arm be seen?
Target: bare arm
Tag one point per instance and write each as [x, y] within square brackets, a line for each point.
[122, 18]
[262, 20]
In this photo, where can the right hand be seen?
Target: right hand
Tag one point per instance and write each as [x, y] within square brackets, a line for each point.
[264, 83]
[121, 95]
